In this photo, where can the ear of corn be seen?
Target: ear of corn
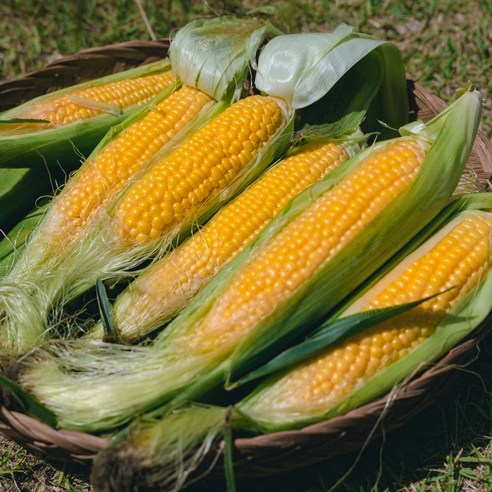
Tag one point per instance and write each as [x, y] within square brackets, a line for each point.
[346, 375]
[455, 264]
[164, 289]
[22, 148]
[82, 104]
[317, 252]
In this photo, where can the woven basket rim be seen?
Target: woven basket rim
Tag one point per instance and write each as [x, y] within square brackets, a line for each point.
[270, 453]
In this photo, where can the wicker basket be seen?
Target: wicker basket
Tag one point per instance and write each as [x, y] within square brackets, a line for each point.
[266, 454]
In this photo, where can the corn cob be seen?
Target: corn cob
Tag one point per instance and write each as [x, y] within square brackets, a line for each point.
[162, 291]
[311, 256]
[84, 207]
[454, 265]
[82, 104]
[456, 262]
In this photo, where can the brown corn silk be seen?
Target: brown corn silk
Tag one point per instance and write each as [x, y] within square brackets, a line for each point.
[173, 191]
[304, 245]
[161, 291]
[458, 262]
[65, 108]
[108, 172]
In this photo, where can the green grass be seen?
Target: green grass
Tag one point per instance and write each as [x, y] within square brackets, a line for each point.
[445, 43]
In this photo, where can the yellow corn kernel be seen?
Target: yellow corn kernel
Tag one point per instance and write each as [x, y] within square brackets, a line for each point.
[458, 260]
[308, 242]
[105, 175]
[197, 170]
[60, 110]
[167, 286]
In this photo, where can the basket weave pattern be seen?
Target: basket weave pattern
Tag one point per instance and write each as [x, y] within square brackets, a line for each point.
[280, 451]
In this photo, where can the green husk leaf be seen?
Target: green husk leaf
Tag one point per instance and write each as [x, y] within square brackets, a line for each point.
[286, 59]
[228, 455]
[13, 243]
[21, 190]
[29, 404]
[389, 109]
[108, 108]
[331, 332]
[105, 308]
[302, 68]
[232, 41]
[344, 108]
[23, 120]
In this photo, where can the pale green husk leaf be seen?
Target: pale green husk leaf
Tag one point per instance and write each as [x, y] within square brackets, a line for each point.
[214, 55]
[302, 68]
